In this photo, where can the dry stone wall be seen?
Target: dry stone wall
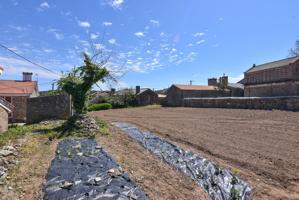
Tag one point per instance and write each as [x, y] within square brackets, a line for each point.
[267, 103]
[48, 107]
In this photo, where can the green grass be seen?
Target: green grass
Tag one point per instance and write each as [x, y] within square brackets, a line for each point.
[104, 129]
[18, 131]
[51, 131]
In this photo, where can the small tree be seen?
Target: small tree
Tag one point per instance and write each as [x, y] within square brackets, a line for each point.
[295, 51]
[78, 83]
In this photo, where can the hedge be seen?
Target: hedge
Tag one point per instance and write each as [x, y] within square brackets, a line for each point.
[99, 106]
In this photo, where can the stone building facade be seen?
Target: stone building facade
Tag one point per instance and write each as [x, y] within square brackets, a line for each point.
[146, 97]
[17, 93]
[279, 78]
[176, 93]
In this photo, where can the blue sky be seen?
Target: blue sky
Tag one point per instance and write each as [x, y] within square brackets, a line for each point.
[157, 43]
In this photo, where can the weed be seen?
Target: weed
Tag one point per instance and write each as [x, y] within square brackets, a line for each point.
[17, 131]
[104, 129]
[234, 193]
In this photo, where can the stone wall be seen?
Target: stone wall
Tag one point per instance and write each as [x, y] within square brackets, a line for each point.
[175, 96]
[148, 97]
[290, 88]
[3, 120]
[20, 108]
[267, 103]
[48, 107]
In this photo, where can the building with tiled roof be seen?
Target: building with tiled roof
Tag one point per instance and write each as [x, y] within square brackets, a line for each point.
[17, 92]
[278, 78]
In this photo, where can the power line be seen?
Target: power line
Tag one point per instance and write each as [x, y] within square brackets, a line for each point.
[38, 65]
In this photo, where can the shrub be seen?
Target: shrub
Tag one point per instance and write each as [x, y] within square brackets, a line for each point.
[99, 106]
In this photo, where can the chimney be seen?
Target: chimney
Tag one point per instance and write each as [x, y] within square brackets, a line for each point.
[27, 76]
[212, 82]
[137, 89]
[223, 82]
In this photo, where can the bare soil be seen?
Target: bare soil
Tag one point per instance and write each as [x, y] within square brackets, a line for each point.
[27, 177]
[156, 178]
[262, 146]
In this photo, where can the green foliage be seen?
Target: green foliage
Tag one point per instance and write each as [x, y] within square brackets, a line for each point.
[234, 193]
[52, 93]
[79, 82]
[99, 106]
[120, 101]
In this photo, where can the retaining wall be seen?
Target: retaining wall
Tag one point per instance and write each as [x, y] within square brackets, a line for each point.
[48, 107]
[267, 103]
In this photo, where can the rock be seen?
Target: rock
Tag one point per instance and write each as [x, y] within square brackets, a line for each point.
[80, 154]
[3, 171]
[9, 188]
[9, 148]
[98, 147]
[66, 185]
[5, 153]
[115, 172]
[97, 179]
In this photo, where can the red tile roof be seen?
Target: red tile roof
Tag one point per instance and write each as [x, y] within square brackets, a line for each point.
[17, 87]
[195, 87]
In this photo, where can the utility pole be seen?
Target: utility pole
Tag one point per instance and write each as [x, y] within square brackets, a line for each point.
[191, 82]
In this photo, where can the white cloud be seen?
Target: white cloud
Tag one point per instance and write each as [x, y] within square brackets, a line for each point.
[107, 23]
[235, 79]
[13, 67]
[116, 4]
[112, 41]
[84, 24]
[139, 34]
[44, 5]
[200, 42]
[155, 22]
[162, 34]
[94, 36]
[199, 34]
[18, 28]
[56, 33]
[220, 18]
[48, 50]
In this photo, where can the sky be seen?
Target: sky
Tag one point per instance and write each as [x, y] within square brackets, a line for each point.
[151, 43]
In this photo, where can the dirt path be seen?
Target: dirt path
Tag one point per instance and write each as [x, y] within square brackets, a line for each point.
[263, 146]
[155, 177]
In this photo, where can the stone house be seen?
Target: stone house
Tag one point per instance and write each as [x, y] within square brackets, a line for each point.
[5, 110]
[146, 96]
[17, 92]
[177, 92]
[278, 78]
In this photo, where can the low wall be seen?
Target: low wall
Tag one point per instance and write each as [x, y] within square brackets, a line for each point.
[48, 107]
[268, 103]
